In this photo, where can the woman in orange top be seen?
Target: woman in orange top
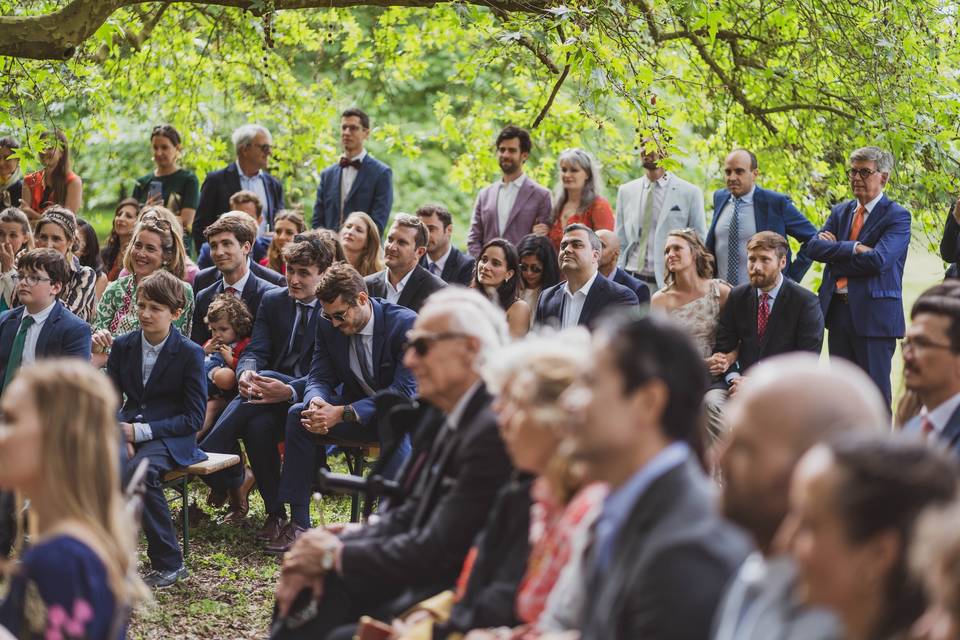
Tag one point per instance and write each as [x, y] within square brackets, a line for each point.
[55, 183]
[577, 196]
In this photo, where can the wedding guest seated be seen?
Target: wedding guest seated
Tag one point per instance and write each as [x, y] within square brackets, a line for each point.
[16, 238]
[88, 254]
[229, 322]
[159, 373]
[121, 231]
[361, 243]
[584, 298]
[854, 504]
[288, 224]
[57, 229]
[211, 275]
[404, 281]
[539, 269]
[442, 259]
[163, 214]
[789, 404]
[249, 203]
[59, 448]
[497, 276]
[609, 257]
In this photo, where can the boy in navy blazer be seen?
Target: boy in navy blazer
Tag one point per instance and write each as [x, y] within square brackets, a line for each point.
[160, 375]
[41, 326]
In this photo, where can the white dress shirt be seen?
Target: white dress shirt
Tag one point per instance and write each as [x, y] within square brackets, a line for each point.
[506, 198]
[348, 175]
[573, 302]
[366, 338]
[149, 355]
[33, 333]
[441, 263]
[256, 184]
[393, 293]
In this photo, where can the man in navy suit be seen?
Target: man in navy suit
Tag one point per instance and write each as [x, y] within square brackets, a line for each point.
[230, 240]
[253, 144]
[584, 298]
[743, 209]
[249, 203]
[931, 364]
[41, 327]
[160, 374]
[864, 245]
[358, 352]
[610, 257]
[270, 378]
[357, 182]
[442, 258]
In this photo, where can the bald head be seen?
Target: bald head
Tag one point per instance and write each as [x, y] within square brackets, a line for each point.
[610, 251]
[786, 405]
[740, 171]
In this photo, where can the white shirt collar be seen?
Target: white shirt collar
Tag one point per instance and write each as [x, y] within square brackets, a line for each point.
[585, 289]
[360, 156]
[41, 316]
[870, 205]
[515, 183]
[661, 181]
[403, 280]
[443, 260]
[368, 328]
[146, 347]
[258, 174]
[239, 284]
[941, 414]
[456, 414]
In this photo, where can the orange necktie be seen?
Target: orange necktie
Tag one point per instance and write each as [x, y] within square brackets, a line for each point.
[854, 232]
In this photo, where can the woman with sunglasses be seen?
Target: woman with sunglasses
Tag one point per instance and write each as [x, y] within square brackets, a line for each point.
[156, 244]
[497, 276]
[55, 183]
[57, 229]
[169, 185]
[539, 269]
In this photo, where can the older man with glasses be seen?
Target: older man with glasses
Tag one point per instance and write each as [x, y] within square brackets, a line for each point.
[864, 247]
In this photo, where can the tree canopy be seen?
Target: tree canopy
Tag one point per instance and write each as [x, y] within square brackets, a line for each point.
[799, 82]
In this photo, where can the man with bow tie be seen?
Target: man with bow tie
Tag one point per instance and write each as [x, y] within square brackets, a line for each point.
[357, 182]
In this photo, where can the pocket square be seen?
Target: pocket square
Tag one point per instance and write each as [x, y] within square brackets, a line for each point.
[675, 207]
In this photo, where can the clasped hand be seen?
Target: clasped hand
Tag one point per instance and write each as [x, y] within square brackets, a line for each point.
[321, 416]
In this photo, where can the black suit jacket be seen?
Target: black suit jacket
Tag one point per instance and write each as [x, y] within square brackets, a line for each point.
[795, 324]
[206, 277]
[605, 296]
[418, 546]
[458, 269]
[215, 194]
[637, 286]
[252, 292]
[419, 287]
[672, 560]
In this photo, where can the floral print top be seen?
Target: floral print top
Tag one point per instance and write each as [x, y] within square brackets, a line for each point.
[117, 311]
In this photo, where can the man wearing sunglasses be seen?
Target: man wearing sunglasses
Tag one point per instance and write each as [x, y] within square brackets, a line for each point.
[864, 247]
[417, 548]
[253, 144]
[358, 353]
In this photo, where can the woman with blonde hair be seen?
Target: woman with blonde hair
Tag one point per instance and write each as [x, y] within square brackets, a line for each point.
[59, 448]
[361, 243]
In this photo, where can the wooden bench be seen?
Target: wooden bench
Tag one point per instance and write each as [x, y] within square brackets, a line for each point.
[178, 479]
[356, 455]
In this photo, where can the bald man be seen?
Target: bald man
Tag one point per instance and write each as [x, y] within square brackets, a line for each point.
[787, 404]
[743, 209]
[609, 257]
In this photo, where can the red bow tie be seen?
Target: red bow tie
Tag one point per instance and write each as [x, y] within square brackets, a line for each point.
[347, 162]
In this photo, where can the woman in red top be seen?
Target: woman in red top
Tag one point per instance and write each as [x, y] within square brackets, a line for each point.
[55, 183]
[577, 197]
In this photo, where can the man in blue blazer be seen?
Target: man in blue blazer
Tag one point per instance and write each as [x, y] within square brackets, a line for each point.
[357, 182]
[931, 364]
[610, 257]
[253, 144]
[230, 238]
[41, 327]
[280, 352]
[864, 246]
[358, 353]
[159, 373]
[586, 296]
[442, 259]
[755, 210]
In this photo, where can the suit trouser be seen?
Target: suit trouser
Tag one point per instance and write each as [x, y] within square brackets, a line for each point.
[873, 355]
[162, 546]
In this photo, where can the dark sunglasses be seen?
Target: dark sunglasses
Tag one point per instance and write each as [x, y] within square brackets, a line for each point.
[532, 268]
[340, 316]
[422, 344]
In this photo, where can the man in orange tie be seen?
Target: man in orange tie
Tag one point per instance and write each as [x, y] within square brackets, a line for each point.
[864, 247]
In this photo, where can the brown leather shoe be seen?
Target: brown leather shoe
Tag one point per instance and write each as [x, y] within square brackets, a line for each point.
[271, 528]
[285, 539]
[239, 498]
[216, 499]
[234, 518]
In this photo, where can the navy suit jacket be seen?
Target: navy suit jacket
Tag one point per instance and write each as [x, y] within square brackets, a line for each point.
[419, 287]
[173, 401]
[372, 193]
[458, 269]
[949, 437]
[272, 332]
[875, 278]
[605, 295]
[775, 212]
[637, 286]
[215, 194]
[62, 334]
[253, 291]
[331, 361]
[206, 277]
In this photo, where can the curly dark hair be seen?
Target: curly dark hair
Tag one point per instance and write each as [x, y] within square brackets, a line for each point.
[542, 248]
[230, 308]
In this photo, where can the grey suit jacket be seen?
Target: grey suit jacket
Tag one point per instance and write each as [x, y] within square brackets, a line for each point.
[672, 560]
[531, 207]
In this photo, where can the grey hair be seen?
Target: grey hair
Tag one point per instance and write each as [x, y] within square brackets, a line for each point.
[471, 313]
[882, 159]
[244, 135]
[591, 188]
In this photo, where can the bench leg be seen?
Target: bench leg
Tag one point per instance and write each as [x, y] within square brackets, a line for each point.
[185, 515]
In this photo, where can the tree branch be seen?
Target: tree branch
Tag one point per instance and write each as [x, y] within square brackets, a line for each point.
[808, 107]
[553, 95]
[540, 53]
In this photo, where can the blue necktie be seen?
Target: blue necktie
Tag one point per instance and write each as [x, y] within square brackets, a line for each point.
[733, 244]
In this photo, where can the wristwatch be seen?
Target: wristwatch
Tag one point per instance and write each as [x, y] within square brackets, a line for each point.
[349, 415]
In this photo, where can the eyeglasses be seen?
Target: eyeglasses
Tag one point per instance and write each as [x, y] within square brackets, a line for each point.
[862, 173]
[264, 148]
[531, 268]
[352, 128]
[29, 280]
[423, 343]
[913, 344]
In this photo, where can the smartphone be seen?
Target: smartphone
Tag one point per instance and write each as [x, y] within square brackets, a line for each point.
[155, 190]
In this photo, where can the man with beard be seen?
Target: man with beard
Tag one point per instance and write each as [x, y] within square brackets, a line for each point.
[742, 209]
[770, 315]
[649, 208]
[931, 364]
[510, 207]
[442, 258]
[790, 404]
